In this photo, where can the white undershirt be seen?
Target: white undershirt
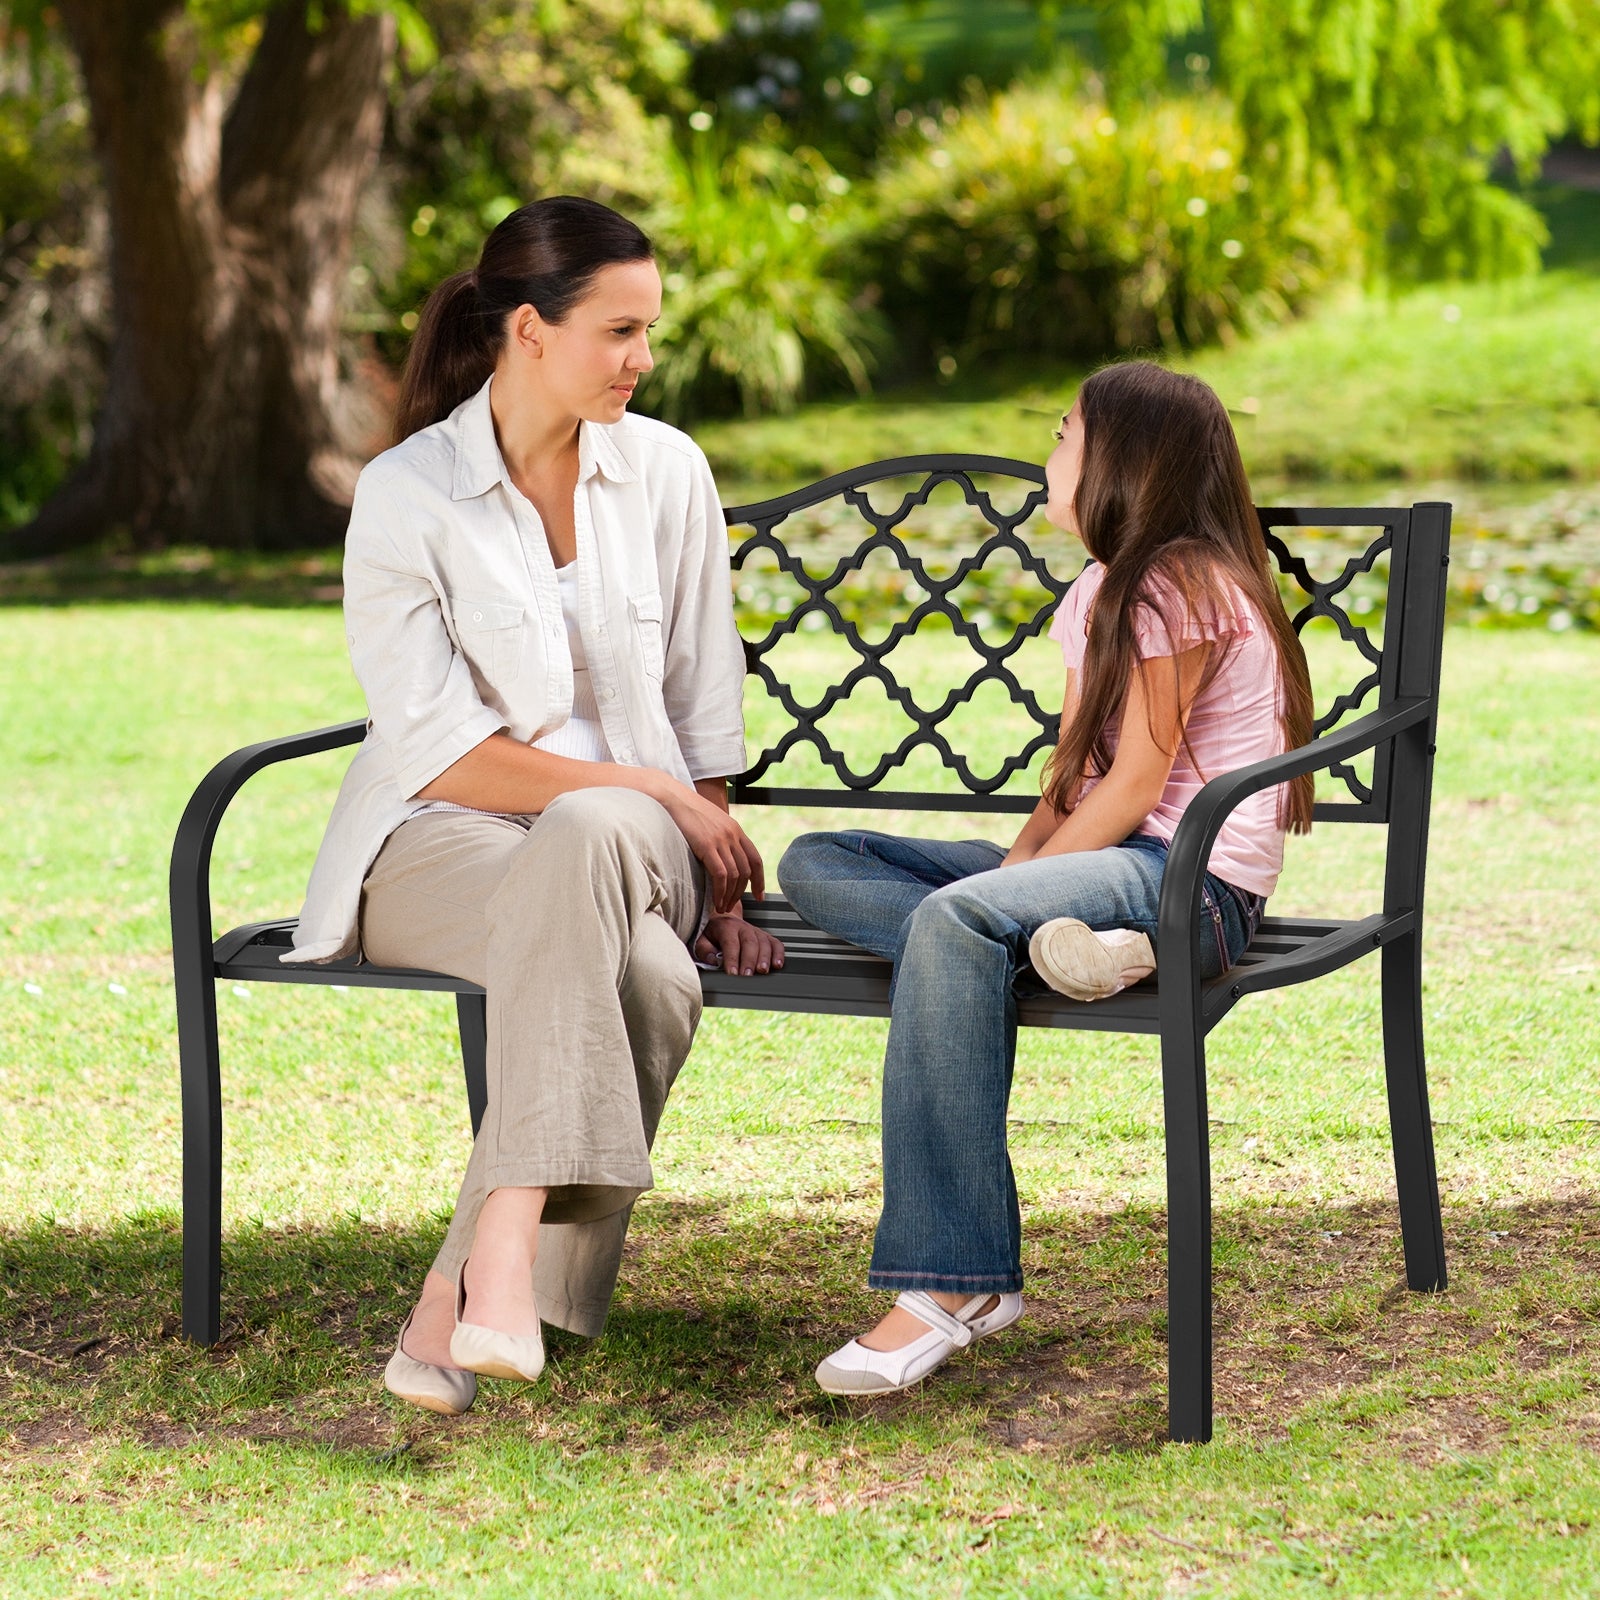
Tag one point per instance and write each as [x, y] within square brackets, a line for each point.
[581, 736]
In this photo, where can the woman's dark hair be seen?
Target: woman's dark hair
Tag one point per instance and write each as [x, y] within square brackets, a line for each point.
[1164, 504]
[546, 255]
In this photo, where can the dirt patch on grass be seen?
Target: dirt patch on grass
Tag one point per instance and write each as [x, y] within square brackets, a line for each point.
[721, 1322]
[60, 1429]
[1312, 1315]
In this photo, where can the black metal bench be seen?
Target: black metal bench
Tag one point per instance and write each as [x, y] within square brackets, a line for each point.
[1400, 677]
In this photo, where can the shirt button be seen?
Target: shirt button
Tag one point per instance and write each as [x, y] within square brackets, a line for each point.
[477, 616]
[611, 694]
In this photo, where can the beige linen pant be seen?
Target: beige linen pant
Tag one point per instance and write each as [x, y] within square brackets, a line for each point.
[577, 926]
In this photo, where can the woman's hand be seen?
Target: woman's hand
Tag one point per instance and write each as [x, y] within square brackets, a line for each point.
[742, 949]
[719, 844]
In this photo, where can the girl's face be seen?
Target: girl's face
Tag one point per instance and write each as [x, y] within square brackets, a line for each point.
[1062, 471]
[589, 365]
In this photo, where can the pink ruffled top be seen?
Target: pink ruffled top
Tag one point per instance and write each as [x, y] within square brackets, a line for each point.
[1237, 720]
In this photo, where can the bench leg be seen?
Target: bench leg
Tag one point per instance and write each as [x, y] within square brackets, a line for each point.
[1411, 1127]
[1183, 1069]
[472, 1012]
[201, 1074]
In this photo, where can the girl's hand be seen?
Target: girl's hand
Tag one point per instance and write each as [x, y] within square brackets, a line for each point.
[1035, 831]
[742, 949]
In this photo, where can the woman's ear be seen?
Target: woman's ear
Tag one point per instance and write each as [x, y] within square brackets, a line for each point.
[527, 332]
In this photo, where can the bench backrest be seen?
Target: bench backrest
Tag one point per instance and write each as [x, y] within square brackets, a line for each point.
[1003, 515]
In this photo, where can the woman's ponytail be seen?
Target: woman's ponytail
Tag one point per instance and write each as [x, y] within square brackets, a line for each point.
[452, 354]
[545, 254]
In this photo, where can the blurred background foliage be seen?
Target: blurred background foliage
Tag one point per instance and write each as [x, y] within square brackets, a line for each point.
[806, 72]
[858, 192]
[520, 98]
[53, 311]
[756, 308]
[1409, 104]
[1033, 219]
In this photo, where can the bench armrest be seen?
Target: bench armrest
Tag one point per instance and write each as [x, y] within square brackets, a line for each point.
[189, 883]
[1197, 832]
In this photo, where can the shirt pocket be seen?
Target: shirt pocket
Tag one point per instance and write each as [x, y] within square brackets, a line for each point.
[646, 609]
[491, 634]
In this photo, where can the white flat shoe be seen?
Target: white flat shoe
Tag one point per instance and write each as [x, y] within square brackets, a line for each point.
[434, 1388]
[1075, 960]
[854, 1369]
[489, 1352]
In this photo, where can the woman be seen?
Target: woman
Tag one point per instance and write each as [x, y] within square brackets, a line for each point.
[1181, 666]
[539, 613]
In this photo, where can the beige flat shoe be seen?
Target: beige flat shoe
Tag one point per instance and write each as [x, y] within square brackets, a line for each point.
[433, 1388]
[490, 1353]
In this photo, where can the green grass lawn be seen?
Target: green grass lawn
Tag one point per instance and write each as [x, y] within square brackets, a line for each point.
[1370, 1442]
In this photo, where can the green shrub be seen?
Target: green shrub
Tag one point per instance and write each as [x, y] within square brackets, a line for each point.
[758, 308]
[1034, 221]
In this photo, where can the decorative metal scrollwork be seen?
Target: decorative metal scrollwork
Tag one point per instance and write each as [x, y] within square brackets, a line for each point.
[1324, 602]
[995, 664]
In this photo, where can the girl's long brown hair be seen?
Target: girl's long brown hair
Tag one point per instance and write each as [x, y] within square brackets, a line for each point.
[545, 254]
[1164, 505]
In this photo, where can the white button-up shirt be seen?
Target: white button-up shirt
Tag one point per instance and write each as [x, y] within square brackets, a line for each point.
[453, 614]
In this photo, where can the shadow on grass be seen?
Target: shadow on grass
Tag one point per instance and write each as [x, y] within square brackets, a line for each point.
[215, 577]
[719, 1322]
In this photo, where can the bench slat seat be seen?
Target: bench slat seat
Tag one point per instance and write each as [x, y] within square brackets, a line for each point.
[1387, 716]
[826, 974]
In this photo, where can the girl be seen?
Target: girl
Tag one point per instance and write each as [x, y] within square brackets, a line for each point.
[539, 613]
[1181, 666]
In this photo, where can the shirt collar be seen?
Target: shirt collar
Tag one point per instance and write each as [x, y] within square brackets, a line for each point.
[599, 452]
[480, 466]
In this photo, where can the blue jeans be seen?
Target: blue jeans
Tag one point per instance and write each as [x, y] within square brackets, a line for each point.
[957, 925]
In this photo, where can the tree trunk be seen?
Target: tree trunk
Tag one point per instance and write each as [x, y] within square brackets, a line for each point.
[223, 422]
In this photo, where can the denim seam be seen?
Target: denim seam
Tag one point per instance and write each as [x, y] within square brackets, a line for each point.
[1208, 900]
[948, 1282]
